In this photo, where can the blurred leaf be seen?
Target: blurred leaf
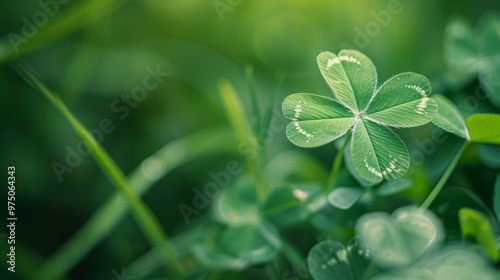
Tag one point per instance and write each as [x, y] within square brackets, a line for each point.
[344, 197]
[476, 225]
[238, 203]
[449, 117]
[393, 187]
[294, 166]
[323, 215]
[213, 257]
[490, 82]
[316, 120]
[254, 243]
[460, 49]
[401, 238]
[450, 263]
[484, 128]
[468, 55]
[285, 205]
[489, 154]
[488, 37]
[331, 260]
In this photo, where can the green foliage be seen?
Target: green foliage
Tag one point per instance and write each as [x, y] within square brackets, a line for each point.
[481, 128]
[477, 226]
[282, 216]
[449, 117]
[143, 215]
[376, 151]
[401, 238]
[450, 263]
[484, 128]
[332, 260]
[285, 205]
[394, 187]
[344, 197]
[470, 54]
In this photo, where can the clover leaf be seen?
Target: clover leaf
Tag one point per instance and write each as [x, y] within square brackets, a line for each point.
[479, 128]
[469, 54]
[365, 110]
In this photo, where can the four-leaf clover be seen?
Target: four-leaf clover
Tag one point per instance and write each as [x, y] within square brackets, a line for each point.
[376, 151]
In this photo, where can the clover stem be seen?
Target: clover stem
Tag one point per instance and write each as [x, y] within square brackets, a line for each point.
[440, 184]
[336, 163]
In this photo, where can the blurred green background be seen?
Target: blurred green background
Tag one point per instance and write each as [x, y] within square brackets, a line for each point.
[100, 50]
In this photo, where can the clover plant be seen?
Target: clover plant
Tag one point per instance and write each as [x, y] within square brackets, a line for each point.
[286, 216]
[363, 110]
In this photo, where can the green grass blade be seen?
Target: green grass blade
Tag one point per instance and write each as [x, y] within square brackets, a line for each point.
[114, 209]
[255, 98]
[268, 117]
[71, 19]
[143, 215]
[234, 111]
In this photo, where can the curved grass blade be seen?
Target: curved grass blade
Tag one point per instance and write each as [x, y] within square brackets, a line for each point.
[143, 215]
[402, 102]
[316, 120]
[114, 209]
[378, 153]
[351, 75]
